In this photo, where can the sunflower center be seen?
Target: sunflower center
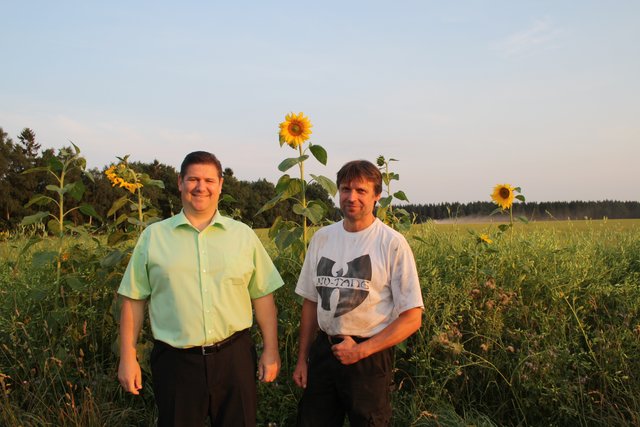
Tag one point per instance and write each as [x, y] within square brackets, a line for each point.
[505, 193]
[295, 129]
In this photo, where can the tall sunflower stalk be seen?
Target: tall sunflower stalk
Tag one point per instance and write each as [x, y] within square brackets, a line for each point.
[295, 131]
[61, 168]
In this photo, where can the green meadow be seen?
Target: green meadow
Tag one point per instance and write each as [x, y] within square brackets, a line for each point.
[536, 325]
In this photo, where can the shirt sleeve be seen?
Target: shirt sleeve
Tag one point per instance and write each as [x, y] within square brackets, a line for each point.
[135, 282]
[265, 278]
[405, 284]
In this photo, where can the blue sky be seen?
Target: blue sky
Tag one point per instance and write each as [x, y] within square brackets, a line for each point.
[544, 95]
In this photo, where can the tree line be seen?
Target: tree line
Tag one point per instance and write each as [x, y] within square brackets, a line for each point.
[533, 211]
[244, 198]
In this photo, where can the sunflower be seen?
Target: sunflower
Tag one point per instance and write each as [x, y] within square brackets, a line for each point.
[484, 238]
[116, 173]
[295, 129]
[503, 195]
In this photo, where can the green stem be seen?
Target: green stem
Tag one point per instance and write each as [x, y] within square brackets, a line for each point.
[303, 201]
[139, 208]
[60, 236]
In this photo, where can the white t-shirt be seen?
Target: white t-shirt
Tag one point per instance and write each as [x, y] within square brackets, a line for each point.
[361, 280]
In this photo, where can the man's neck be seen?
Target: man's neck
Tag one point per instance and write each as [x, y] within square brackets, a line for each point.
[359, 225]
[199, 220]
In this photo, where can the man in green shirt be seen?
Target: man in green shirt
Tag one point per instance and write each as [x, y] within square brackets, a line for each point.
[201, 273]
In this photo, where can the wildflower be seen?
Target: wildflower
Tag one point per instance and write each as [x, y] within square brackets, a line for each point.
[503, 195]
[295, 130]
[484, 238]
[124, 177]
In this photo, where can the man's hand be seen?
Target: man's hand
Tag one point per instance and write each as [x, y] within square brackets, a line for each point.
[300, 373]
[130, 375]
[268, 366]
[348, 351]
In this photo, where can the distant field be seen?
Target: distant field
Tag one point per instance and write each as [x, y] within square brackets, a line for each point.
[577, 225]
[486, 226]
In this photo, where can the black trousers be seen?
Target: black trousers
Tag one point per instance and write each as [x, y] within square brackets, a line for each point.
[361, 391]
[188, 386]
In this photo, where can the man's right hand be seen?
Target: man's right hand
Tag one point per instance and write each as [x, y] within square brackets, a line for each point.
[300, 373]
[130, 375]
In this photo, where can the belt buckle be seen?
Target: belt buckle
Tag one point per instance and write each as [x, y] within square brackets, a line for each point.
[208, 349]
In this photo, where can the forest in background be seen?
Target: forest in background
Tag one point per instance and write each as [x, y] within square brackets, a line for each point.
[246, 197]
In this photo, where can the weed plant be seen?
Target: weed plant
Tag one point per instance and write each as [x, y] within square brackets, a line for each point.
[538, 327]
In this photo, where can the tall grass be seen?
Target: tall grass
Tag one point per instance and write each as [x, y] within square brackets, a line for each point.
[541, 327]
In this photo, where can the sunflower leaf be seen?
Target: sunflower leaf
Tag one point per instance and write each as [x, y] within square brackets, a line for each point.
[40, 200]
[117, 205]
[520, 197]
[385, 201]
[75, 190]
[316, 211]
[271, 203]
[90, 211]
[326, 183]
[495, 211]
[32, 219]
[319, 153]
[523, 219]
[400, 196]
[287, 164]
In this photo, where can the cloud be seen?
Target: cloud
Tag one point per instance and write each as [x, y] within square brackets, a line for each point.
[541, 35]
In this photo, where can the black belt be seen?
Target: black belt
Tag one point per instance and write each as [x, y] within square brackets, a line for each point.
[208, 349]
[337, 339]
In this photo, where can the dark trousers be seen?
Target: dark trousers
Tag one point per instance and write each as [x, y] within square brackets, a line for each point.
[190, 386]
[361, 391]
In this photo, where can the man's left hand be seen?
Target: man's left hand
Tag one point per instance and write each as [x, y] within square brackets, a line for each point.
[348, 351]
[268, 367]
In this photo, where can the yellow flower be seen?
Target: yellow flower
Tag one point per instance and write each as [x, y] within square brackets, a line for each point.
[503, 195]
[295, 130]
[485, 238]
[115, 174]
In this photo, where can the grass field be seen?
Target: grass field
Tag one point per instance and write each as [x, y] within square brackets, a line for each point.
[539, 327]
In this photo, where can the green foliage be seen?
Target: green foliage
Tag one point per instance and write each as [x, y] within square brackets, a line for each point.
[137, 212]
[291, 236]
[538, 329]
[60, 167]
[396, 218]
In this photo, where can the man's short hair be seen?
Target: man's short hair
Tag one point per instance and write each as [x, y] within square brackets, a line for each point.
[360, 170]
[199, 158]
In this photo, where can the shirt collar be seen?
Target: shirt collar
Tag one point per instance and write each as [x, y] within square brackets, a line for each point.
[217, 221]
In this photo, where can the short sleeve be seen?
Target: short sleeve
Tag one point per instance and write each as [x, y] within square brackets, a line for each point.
[135, 282]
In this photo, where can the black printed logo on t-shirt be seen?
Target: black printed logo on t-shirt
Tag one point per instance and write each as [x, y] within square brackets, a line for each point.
[352, 287]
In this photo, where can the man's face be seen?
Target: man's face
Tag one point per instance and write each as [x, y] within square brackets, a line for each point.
[200, 189]
[357, 199]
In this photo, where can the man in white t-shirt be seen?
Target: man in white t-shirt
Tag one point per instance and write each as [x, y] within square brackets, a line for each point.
[361, 297]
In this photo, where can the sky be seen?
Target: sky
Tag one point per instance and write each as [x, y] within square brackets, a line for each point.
[544, 95]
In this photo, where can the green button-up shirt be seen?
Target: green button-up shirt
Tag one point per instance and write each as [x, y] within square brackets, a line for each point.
[199, 283]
